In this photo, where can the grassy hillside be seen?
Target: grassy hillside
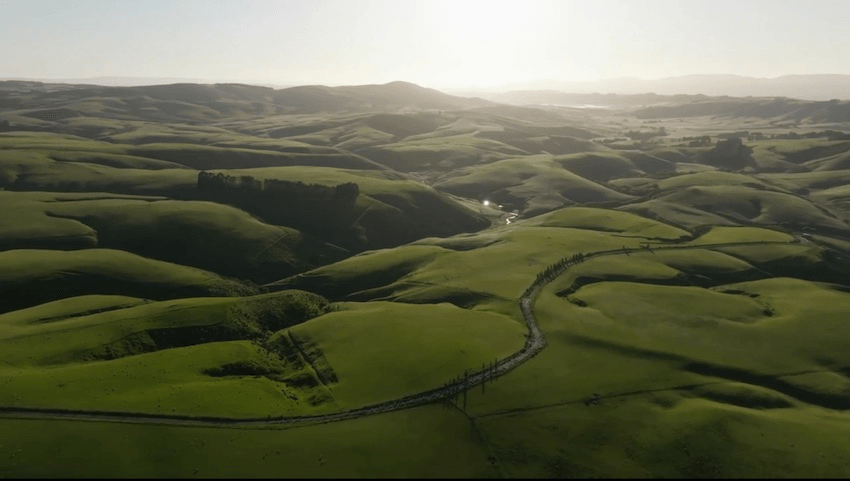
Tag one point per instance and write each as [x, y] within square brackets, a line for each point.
[723, 204]
[368, 270]
[177, 150]
[607, 220]
[237, 252]
[672, 396]
[440, 153]
[201, 234]
[414, 347]
[444, 445]
[33, 276]
[529, 184]
[194, 355]
[390, 209]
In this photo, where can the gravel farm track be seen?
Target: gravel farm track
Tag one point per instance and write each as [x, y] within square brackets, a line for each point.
[534, 343]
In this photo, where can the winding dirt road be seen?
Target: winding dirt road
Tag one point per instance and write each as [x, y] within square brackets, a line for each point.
[534, 343]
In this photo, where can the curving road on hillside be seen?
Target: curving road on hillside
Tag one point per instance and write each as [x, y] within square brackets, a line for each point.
[534, 343]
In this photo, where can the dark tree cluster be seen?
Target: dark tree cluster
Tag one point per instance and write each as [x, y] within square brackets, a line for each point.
[276, 188]
[702, 141]
[730, 154]
[829, 134]
[319, 209]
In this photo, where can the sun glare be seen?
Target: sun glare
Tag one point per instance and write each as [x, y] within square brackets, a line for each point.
[484, 20]
[484, 38]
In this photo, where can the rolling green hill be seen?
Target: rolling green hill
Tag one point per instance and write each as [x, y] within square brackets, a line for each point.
[658, 287]
[125, 354]
[201, 234]
[528, 184]
[388, 211]
[34, 276]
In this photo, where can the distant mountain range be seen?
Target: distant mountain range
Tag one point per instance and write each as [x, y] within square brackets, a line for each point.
[806, 87]
[195, 102]
[133, 81]
[191, 102]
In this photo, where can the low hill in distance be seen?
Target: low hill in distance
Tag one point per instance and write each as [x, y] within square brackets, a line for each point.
[808, 87]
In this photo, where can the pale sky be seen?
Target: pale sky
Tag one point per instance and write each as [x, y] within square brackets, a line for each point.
[435, 43]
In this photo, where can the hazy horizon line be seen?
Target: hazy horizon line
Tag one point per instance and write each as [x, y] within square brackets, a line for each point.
[102, 80]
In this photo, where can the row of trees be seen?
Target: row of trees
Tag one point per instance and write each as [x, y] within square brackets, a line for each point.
[489, 370]
[705, 140]
[701, 141]
[829, 134]
[324, 211]
[275, 188]
[557, 268]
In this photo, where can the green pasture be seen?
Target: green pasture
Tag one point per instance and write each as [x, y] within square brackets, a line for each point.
[831, 163]
[727, 234]
[695, 206]
[599, 166]
[669, 356]
[78, 171]
[487, 269]
[607, 220]
[196, 356]
[674, 213]
[367, 270]
[700, 267]
[29, 277]
[69, 307]
[527, 182]
[385, 350]
[684, 374]
[440, 153]
[171, 381]
[505, 265]
[428, 441]
[207, 235]
[736, 331]
[26, 222]
[837, 194]
[709, 178]
[204, 157]
[812, 181]
[668, 434]
[126, 330]
[24, 140]
[691, 168]
[800, 151]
